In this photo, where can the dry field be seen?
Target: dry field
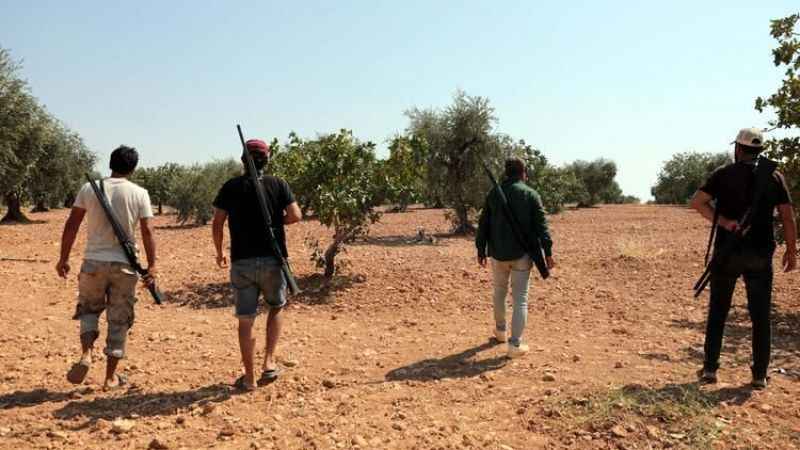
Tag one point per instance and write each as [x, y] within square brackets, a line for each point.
[395, 352]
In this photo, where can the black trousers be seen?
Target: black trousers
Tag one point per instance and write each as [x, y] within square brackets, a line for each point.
[756, 269]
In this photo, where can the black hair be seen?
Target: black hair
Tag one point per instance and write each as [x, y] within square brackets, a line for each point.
[515, 167]
[124, 160]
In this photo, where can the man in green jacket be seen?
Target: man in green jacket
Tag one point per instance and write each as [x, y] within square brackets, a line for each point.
[509, 259]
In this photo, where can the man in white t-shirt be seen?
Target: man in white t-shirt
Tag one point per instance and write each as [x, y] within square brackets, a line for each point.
[106, 280]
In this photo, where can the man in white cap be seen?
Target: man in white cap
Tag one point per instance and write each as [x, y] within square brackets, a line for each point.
[732, 189]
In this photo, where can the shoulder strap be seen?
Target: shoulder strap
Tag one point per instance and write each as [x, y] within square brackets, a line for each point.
[763, 174]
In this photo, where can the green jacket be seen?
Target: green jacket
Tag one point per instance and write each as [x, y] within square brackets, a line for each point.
[494, 231]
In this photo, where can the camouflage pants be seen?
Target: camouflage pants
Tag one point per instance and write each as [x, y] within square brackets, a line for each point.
[111, 287]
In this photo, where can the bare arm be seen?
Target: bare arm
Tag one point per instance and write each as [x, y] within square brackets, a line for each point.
[71, 228]
[149, 241]
[218, 233]
[790, 236]
[293, 214]
[701, 202]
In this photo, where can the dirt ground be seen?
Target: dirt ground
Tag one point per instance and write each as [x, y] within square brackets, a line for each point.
[396, 354]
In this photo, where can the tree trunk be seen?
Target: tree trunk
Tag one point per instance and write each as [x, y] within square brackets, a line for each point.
[330, 255]
[160, 208]
[462, 225]
[41, 206]
[14, 213]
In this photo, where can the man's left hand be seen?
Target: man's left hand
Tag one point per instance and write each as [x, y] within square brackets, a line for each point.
[150, 278]
[482, 261]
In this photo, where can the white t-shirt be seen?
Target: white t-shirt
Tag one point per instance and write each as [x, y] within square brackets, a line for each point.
[129, 203]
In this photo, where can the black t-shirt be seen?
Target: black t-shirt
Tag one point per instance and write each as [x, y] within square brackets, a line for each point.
[732, 188]
[246, 225]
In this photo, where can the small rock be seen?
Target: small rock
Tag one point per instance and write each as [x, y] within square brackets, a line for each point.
[290, 363]
[208, 408]
[398, 426]
[180, 420]
[618, 365]
[4, 431]
[121, 426]
[57, 435]
[576, 358]
[619, 431]
[505, 447]
[360, 441]
[652, 432]
[328, 383]
[157, 444]
[764, 408]
[228, 431]
[548, 377]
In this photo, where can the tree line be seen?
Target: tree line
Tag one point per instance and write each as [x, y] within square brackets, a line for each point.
[42, 161]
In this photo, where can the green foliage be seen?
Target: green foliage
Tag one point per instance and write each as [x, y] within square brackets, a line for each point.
[597, 181]
[785, 102]
[161, 182]
[40, 159]
[197, 186]
[291, 162]
[401, 179]
[457, 137]
[335, 174]
[555, 185]
[684, 173]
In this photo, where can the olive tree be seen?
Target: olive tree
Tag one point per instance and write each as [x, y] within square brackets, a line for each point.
[197, 186]
[684, 173]
[785, 102]
[457, 137]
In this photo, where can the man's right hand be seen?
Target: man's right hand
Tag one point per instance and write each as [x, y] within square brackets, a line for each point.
[62, 268]
[551, 263]
[222, 261]
[482, 261]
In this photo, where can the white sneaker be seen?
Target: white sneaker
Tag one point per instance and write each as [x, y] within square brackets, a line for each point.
[515, 351]
[500, 335]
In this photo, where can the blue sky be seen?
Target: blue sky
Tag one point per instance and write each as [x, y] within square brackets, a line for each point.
[631, 81]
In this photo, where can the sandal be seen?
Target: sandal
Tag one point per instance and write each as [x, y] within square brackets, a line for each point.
[77, 373]
[243, 385]
[268, 376]
[122, 382]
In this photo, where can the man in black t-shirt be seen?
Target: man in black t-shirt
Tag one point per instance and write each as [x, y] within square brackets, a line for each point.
[731, 188]
[255, 269]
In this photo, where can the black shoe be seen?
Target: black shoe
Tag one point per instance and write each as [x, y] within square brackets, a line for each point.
[706, 376]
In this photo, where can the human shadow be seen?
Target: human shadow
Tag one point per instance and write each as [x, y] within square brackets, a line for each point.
[459, 365]
[202, 295]
[25, 399]
[738, 334]
[148, 404]
[315, 289]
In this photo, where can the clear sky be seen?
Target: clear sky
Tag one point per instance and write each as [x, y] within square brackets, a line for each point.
[631, 81]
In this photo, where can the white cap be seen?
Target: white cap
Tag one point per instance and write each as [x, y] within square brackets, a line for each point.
[751, 137]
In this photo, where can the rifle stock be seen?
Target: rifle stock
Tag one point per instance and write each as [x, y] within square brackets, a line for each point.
[252, 172]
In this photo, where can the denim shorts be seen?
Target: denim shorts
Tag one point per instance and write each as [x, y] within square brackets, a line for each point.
[253, 277]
